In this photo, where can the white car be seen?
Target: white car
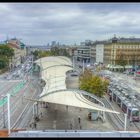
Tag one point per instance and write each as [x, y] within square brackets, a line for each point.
[9, 77]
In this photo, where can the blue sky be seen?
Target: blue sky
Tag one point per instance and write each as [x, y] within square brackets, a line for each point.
[69, 23]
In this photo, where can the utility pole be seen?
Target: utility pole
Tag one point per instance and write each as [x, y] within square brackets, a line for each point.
[8, 105]
[125, 121]
[73, 62]
[4, 126]
[32, 67]
[55, 78]
[33, 111]
[83, 66]
[41, 68]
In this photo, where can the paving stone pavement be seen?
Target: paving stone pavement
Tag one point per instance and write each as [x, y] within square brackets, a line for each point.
[60, 118]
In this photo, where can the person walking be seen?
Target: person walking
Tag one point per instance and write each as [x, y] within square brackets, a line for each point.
[35, 125]
[70, 125]
[30, 125]
[110, 98]
[79, 119]
[67, 107]
[80, 127]
[41, 114]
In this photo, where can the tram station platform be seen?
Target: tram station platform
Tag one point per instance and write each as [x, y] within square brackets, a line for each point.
[58, 117]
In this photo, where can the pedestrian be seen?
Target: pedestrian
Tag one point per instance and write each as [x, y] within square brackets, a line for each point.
[41, 114]
[79, 119]
[46, 105]
[67, 107]
[80, 127]
[30, 125]
[70, 126]
[110, 98]
[35, 125]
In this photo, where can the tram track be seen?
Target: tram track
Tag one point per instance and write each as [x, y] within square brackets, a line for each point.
[118, 118]
[138, 128]
[115, 119]
[24, 118]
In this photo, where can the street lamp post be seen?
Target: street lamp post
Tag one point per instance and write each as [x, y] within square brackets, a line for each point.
[73, 62]
[8, 105]
[32, 67]
[4, 126]
[125, 121]
[83, 66]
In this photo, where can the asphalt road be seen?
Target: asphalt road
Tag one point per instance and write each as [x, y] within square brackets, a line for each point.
[17, 104]
[129, 80]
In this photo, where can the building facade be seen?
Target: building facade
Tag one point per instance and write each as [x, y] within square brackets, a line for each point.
[19, 52]
[83, 54]
[97, 52]
[113, 50]
[83, 51]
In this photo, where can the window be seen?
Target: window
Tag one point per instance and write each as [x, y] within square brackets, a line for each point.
[135, 113]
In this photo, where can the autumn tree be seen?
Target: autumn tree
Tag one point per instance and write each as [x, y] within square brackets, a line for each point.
[92, 83]
[121, 60]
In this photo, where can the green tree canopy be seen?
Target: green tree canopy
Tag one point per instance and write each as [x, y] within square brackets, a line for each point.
[55, 51]
[7, 51]
[4, 61]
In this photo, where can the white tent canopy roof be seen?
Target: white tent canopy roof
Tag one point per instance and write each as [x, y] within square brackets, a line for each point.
[72, 98]
[55, 80]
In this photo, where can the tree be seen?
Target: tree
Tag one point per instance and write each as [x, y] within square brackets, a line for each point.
[92, 83]
[121, 60]
[4, 62]
[6, 53]
[35, 54]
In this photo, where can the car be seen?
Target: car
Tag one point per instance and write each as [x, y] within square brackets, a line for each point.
[131, 72]
[9, 77]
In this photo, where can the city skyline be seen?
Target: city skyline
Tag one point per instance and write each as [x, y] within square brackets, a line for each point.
[68, 23]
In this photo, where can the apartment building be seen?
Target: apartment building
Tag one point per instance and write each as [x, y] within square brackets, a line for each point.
[111, 51]
[19, 51]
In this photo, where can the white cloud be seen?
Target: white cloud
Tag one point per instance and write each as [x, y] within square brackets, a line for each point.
[41, 23]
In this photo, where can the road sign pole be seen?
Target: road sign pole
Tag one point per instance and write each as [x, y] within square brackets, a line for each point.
[125, 121]
[4, 126]
[8, 105]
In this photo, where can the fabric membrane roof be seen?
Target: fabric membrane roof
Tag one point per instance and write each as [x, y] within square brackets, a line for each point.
[55, 80]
